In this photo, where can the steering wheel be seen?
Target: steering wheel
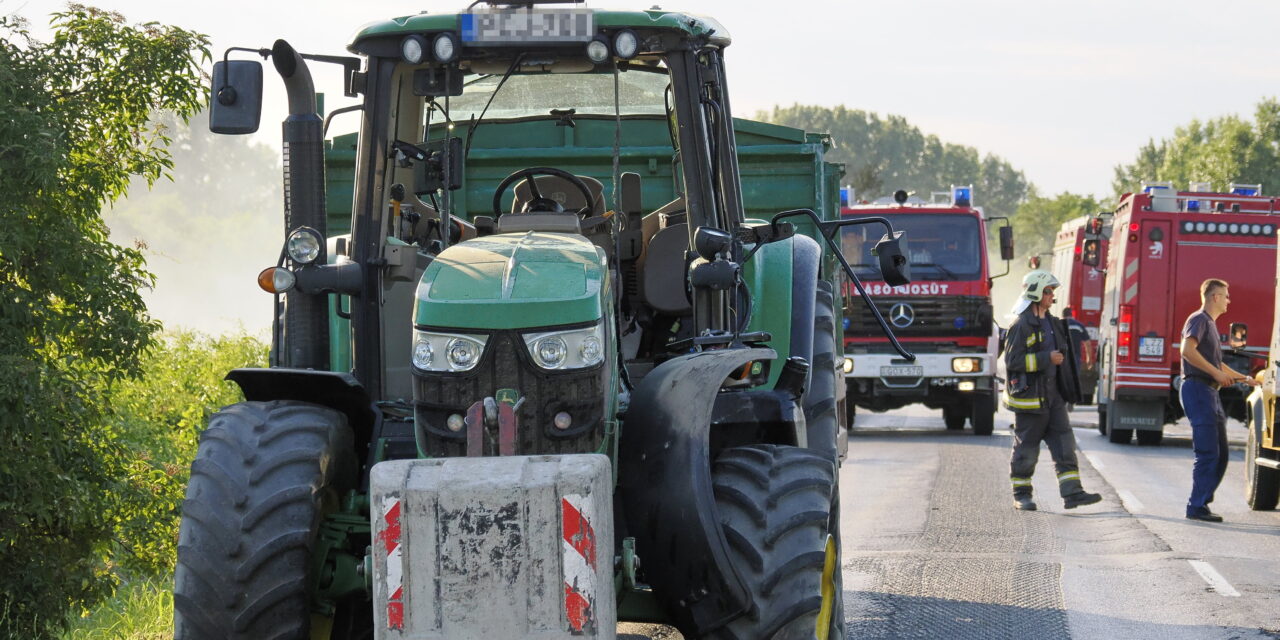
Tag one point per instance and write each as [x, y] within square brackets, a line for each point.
[540, 203]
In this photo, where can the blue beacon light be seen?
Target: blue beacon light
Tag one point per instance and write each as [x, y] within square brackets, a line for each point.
[961, 196]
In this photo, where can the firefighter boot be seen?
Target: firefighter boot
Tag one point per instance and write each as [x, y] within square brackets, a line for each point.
[1022, 494]
[1073, 493]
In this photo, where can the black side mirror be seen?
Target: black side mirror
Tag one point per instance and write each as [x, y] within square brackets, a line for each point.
[1239, 336]
[1089, 253]
[894, 265]
[429, 175]
[1006, 243]
[236, 107]
[710, 242]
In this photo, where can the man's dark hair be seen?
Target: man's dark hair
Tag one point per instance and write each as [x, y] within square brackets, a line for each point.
[1210, 287]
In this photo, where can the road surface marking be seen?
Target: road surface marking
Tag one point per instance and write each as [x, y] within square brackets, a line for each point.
[1097, 463]
[1131, 502]
[1215, 579]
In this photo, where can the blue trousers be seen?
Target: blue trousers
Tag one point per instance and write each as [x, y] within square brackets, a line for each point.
[1208, 438]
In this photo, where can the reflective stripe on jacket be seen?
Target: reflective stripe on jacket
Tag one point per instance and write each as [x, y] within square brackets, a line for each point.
[1025, 361]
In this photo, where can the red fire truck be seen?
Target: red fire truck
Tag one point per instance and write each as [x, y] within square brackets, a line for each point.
[1080, 246]
[1164, 243]
[944, 316]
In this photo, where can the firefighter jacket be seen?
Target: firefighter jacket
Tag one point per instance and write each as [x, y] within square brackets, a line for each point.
[1026, 359]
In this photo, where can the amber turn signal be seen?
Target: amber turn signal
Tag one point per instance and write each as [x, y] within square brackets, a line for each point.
[276, 280]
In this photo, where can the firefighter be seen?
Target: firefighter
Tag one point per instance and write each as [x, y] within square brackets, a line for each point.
[1037, 392]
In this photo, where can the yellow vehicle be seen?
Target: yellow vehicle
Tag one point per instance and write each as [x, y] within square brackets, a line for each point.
[1262, 456]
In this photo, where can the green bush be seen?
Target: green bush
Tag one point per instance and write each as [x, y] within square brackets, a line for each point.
[157, 419]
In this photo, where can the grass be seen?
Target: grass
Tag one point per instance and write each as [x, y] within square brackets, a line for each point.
[140, 610]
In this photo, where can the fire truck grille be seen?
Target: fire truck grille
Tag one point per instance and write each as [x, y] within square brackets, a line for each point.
[951, 316]
[506, 365]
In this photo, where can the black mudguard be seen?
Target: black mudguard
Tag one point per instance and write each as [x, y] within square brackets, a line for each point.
[338, 391]
[665, 489]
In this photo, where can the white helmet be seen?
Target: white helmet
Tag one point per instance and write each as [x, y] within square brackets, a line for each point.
[1035, 282]
[1033, 286]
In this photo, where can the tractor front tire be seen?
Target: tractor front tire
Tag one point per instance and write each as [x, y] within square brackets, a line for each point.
[264, 475]
[776, 506]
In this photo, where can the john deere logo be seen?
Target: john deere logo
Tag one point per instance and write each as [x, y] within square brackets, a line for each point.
[901, 315]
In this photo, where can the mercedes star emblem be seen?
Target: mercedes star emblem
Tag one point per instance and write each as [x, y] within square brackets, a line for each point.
[901, 315]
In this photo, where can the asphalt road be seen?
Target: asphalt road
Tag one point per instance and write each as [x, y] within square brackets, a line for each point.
[932, 547]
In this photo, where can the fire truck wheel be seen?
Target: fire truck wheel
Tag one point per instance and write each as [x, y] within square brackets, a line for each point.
[776, 505]
[1102, 419]
[851, 414]
[1262, 484]
[954, 416]
[983, 414]
[264, 475]
[1150, 438]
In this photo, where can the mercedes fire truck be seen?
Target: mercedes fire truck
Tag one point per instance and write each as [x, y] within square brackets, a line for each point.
[1164, 243]
[944, 316]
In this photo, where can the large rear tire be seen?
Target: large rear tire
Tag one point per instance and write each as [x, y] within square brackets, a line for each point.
[776, 507]
[264, 475]
[1261, 484]
[983, 414]
[821, 414]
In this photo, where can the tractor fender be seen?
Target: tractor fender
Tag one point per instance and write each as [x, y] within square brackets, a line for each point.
[338, 391]
[806, 257]
[664, 486]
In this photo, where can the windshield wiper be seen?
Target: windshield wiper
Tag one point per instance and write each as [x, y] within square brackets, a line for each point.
[945, 271]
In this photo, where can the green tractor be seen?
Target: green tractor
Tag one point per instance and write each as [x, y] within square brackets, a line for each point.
[549, 375]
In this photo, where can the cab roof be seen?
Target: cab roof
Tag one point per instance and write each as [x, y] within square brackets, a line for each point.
[686, 24]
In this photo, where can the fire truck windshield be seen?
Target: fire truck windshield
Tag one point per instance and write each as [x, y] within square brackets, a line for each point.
[942, 246]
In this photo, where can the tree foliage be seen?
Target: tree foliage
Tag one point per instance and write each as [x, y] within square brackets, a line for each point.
[889, 153]
[74, 116]
[1038, 218]
[1222, 150]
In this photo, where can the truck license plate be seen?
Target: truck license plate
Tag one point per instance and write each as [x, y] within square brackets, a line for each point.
[523, 26]
[901, 372]
[1151, 347]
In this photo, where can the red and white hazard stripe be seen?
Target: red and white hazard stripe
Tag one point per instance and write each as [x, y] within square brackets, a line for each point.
[389, 544]
[579, 545]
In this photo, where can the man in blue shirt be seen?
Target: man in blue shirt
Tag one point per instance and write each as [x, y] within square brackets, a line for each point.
[1202, 375]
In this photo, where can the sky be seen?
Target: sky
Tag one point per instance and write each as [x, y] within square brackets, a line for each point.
[1065, 91]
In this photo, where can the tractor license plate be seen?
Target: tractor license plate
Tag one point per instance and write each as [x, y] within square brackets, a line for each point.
[524, 26]
[901, 372]
[1151, 347]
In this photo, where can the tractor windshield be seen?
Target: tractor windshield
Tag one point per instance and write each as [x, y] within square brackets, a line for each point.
[640, 92]
[942, 246]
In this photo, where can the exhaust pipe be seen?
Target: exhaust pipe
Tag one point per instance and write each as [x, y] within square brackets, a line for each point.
[306, 315]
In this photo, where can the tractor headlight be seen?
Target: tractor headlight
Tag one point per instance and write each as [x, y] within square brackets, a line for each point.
[571, 349]
[449, 352]
[626, 44]
[597, 50]
[412, 49]
[445, 47]
[304, 245]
